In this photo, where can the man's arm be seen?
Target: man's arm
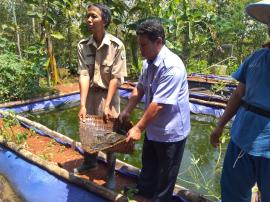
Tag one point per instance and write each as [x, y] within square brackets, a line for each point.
[151, 113]
[135, 98]
[118, 73]
[231, 109]
[84, 82]
[113, 85]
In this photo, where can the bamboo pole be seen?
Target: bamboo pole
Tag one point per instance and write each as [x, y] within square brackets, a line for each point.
[23, 102]
[208, 103]
[206, 79]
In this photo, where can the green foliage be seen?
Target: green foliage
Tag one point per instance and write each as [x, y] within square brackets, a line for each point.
[199, 66]
[8, 132]
[19, 78]
[200, 32]
[46, 156]
[130, 192]
[21, 137]
[218, 87]
[199, 179]
[11, 120]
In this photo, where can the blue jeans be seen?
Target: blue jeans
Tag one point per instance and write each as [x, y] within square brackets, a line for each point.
[240, 173]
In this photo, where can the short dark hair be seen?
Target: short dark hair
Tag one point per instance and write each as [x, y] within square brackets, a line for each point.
[105, 12]
[152, 28]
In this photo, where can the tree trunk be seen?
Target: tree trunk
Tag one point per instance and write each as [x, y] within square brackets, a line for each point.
[69, 44]
[16, 27]
[33, 24]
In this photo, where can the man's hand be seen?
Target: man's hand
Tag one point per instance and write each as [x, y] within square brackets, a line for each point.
[215, 135]
[107, 113]
[134, 134]
[123, 116]
[82, 114]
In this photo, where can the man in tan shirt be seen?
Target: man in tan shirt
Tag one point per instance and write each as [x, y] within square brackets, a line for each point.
[102, 68]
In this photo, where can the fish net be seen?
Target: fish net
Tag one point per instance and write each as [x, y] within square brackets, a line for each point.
[96, 135]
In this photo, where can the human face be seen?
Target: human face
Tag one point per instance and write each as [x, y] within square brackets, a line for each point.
[149, 49]
[94, 19]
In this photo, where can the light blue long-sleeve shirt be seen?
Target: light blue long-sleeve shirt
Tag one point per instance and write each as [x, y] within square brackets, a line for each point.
[164, 81]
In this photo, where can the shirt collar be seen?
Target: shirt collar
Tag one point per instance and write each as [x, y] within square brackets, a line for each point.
[160, 57]
[106, 40]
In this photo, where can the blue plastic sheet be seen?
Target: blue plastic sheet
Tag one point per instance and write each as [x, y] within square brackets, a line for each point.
[201, 109]
[34, 184]
[194, 108]
[46, 104]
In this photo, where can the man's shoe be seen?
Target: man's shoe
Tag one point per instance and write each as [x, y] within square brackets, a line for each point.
[89, 164]
[84, 168]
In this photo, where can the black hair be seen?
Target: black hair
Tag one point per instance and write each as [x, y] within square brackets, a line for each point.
[105, 12]
[152, 28]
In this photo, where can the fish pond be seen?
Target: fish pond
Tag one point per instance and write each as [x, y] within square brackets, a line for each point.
[201, 165]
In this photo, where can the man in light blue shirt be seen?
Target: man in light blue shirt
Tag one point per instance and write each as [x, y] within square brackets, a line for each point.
[247, 159]
[166, 119]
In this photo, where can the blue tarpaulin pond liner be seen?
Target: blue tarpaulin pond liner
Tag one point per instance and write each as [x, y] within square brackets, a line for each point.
[34, 184]
[32, 177]
[70, 99]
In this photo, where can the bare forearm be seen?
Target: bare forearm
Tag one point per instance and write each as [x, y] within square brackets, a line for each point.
[135, 98]
[232, 105]
[113, 85]
[84, 82]
[151, 113]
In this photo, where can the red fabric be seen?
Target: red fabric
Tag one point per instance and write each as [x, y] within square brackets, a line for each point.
[267, 45]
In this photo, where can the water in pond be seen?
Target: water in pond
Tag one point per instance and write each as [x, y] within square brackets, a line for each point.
[201, 165]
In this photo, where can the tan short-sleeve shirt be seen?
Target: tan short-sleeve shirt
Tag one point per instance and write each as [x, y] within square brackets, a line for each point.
[102, 63]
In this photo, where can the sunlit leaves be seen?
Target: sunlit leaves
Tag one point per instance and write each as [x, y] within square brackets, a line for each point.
[57, 35]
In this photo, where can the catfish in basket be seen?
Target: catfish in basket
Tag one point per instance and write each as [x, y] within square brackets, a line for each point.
[98, 136]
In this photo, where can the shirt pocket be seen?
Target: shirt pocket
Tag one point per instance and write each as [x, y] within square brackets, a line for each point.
[106, 69]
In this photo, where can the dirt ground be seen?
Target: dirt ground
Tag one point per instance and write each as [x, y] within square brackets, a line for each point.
[67, 87]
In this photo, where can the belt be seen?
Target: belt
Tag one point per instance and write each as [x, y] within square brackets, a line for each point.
[97, 89]
[257, 110]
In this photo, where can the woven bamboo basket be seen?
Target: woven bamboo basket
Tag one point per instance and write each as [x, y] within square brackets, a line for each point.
[96, 135]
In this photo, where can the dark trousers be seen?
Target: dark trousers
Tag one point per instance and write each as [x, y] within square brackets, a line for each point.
[160, 165]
